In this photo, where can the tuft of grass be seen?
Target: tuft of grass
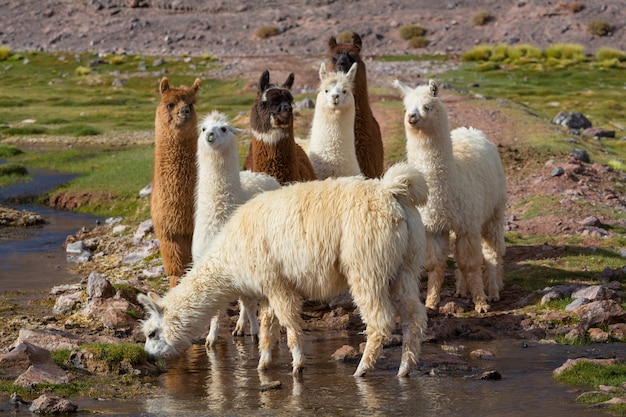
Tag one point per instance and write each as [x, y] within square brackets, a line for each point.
[418, 42]
[82, 71]
[573, 7]
[5, 52]
[617, 165]
[344, 37]
[482, 18]
[589, 374]
[266, 31]
[606, 53]
[7, 151]
[599, 27]
[116, 353]
[478, 53]
[566, 51]
[78, 130]
[116, 59]
[13, 169]
[25, 130]
[408, 32]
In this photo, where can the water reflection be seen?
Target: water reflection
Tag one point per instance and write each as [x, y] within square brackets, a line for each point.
[225, 381]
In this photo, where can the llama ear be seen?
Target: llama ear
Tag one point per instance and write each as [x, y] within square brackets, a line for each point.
[433, 88]
[196, 85]
[151, 302]
[356, 40]
[264, 81]
[234, 130]
[404, 89]
[332, 42]
[164, 85]
[289, 83]
[322, 71]
[352, 72]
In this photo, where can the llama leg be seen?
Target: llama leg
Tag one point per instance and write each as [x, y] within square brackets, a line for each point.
[377, 311]
[493, 248]
[470, 261]
[247, 312]
[287, 305]
[405, 293]
[214, 330]
[176, 254]
[436, 254]
[461, 284]
[266, 318]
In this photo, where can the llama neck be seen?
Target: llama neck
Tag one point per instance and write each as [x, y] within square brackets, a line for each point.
[203, 291]
[278, 158]
[430, 149]
[332, 129]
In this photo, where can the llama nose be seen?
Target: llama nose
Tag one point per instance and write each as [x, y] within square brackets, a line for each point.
[210, 137]
[343, 64]
[184, 111]
[413, 118]
[335, 98]
[284, 108]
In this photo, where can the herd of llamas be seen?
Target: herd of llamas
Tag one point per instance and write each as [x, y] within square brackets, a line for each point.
[298, 225]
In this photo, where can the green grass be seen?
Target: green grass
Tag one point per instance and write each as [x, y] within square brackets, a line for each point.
[116, 353]
[591, 375]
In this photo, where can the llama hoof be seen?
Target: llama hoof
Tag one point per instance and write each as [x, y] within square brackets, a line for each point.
[238, 333]
[297, 371]
[482, 307]
[404, 370]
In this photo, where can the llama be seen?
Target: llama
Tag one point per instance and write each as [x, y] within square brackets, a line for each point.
[310, 240]
[331, 142]
[368, 141]
[220, 189]
[468, 197]
[273, 149]
[174, 176]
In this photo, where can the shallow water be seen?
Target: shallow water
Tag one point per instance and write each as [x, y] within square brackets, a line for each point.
[224, 381]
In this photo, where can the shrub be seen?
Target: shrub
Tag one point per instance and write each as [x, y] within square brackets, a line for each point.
[573, 7]
[528, 51]
[499, 53]
[344, 37]
[9, 150]
[265, 32]
[606, 53]
[599, 27]
[560, 51]
[478, 53]
[13, 169]
[418, 42]
[482, 18]
[408, 32]
[78, 130]
[5, 52]
[82, 71]
[116, 59]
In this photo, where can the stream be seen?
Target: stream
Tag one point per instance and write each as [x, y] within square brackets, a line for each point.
[224, 381]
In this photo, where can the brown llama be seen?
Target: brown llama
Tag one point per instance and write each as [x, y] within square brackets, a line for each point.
[273, 149]
[367, 139]
[174, 177]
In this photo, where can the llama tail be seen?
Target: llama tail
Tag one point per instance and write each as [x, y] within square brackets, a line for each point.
[405, 180]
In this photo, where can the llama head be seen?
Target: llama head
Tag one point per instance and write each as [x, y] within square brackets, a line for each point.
[344, 55]
[216, 133]
[422, 105]
[273, 106]
[336, 87]
[157, 345]
[177, 106]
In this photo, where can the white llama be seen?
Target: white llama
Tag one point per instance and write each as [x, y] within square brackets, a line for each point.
[220, 188]
[310, 240]
[467, 196]
[331, 143]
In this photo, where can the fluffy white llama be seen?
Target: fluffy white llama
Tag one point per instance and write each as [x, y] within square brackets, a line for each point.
[310, 240]
[467, 196]
[220, 188]
[331, 142]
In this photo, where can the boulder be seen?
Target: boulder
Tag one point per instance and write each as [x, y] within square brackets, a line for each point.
[50, 404]
[46, 373]
[20, 358]
[99, 287]
[601, 312]
[573, 120]
[48, 339]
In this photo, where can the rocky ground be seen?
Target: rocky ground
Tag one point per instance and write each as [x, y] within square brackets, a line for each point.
[115, 260]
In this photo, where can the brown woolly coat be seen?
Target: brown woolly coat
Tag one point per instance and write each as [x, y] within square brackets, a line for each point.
[367, 138]
[174, 176]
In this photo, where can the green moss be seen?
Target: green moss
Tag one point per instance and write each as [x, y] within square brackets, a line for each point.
[267, 31]
[482, 18]
[591, 375]
[411, 31]
[115, 353]
[13, 169]
[7, 151]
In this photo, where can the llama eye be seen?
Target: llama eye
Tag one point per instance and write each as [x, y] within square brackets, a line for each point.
[204, 129]
[326, 91]
[170, 106]
[223, 129]
[152, 334]
[427, 108]
[344, 91]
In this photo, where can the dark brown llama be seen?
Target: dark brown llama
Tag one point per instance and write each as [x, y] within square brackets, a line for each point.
[367, 139]
[273, 149]
[174, 177]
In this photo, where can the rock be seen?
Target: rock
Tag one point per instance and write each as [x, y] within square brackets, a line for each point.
[581, 155]
[601, 312]
[146, 191]
[346, 353]
[610, 403]
[60, 289]
[113, 312]
[153, 272]
[272, 385]
[575, 304]
[595, 292]
[306, 103]
[618, 331]
[48, 339]
[50, 404]
[46, 373]
[67, 302]
[598, 335]
[142, 230]
[20, 358]
[75, 247]
[598, 132]
[571, 362]
[99, 287]
[482, 354]
[343, 300]
[143, 251]
[488, 376]
[576, 334]
[557, 172]
[573, 120]
[591, 221]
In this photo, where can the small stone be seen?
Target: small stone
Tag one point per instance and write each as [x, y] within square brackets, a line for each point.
[580, 155]
[51, 404]
[490, 376]
[345, 353]
[557, 172]
[482, 354]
